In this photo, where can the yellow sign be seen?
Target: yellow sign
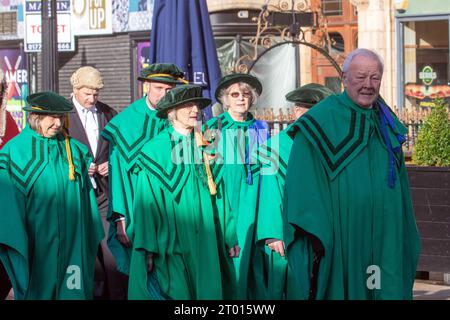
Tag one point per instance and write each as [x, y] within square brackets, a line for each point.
[427, 104]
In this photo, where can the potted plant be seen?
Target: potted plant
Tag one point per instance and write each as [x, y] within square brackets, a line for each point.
[430, 188]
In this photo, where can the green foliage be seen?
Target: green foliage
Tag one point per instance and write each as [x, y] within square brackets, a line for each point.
[433, 141]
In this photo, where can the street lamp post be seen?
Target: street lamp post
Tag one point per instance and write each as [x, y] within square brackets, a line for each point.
[49, 46]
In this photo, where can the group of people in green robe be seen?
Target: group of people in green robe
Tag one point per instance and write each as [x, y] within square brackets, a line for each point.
[217, 209]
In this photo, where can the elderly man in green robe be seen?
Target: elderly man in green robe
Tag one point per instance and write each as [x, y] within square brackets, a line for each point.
[351, 231]
[50, 227]
[175, 252]
[127, 133]
[272, 158]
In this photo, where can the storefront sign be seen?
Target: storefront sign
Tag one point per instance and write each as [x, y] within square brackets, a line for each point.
[33, 26]
[13, 62]
[426, 94]
[92, 17]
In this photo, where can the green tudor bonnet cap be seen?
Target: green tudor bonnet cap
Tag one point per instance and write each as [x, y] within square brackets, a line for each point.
[47, 103]
[233, 78]
[309, 94]
[163, 72]
[181, 95]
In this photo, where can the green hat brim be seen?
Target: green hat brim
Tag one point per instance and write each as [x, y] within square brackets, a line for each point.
[308, 95]
[29, 109]
[202, 104]
[161, 79]
[236, 78]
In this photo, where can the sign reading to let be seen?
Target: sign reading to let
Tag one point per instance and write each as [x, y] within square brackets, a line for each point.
[92, 17]
[33, 26]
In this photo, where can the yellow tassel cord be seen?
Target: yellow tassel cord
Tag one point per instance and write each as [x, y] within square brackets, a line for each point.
[211, 183]
[69, 151]
[201, 142]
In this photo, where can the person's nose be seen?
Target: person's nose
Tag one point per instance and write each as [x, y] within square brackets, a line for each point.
[57, 122]
[368, 83]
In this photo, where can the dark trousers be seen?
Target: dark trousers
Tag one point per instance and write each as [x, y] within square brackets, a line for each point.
[5, 284]
[110, 284]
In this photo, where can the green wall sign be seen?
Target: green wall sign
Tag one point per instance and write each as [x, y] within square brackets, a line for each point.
[427, 75]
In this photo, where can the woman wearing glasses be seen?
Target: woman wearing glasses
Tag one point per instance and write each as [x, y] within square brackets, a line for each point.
[237, 134]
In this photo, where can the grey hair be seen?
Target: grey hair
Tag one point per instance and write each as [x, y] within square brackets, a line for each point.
[223, 95]
[361, 52]
[171, 116]
[34, 121]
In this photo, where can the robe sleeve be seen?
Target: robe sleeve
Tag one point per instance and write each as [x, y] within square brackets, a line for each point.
[269, 218]
[147, 221]
[307, 210]
[119, 184]
[13, 235]
[120, 192]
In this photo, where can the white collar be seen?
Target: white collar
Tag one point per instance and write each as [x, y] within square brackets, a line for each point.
[149, 105]
[82, 109]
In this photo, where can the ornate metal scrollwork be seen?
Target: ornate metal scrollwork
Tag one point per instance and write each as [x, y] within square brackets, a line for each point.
[270, 34]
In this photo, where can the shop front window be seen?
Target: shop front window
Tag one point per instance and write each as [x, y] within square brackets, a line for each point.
[426, 52]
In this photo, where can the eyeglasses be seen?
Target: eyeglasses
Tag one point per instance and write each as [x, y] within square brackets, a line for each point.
[236, 94]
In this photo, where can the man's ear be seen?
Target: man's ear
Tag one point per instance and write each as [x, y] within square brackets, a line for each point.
[146, 86]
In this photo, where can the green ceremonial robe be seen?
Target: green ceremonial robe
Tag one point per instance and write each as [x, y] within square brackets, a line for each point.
[272, 158]
[174, 220]
[337, 193]
[50, 227]
[127, 133]
[236, 203]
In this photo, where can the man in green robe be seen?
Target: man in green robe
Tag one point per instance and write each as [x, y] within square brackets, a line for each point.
[237, 135]
[175, 253]
[272, 158]
[351, 231]
[127, 133]
[50, 227]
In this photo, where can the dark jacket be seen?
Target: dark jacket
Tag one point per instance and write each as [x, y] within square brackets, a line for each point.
[76, 131]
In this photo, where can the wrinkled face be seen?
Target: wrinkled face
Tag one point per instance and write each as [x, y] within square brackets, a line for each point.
[51, 125]
[86, 97]
[238, 99]
[187, 115]
[157, 90]
[362, 80]
[299, 110]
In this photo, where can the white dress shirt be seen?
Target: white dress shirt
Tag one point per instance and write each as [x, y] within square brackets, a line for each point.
[89, 120]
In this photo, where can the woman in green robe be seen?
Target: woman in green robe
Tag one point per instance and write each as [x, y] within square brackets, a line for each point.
[175, 253]
[50, 227]
[237, 135]
[273, 157]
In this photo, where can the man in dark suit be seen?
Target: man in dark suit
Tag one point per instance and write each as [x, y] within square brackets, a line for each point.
[86, 121]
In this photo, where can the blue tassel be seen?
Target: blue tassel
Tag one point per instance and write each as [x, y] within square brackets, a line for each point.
[385, 120]
[249, 175]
